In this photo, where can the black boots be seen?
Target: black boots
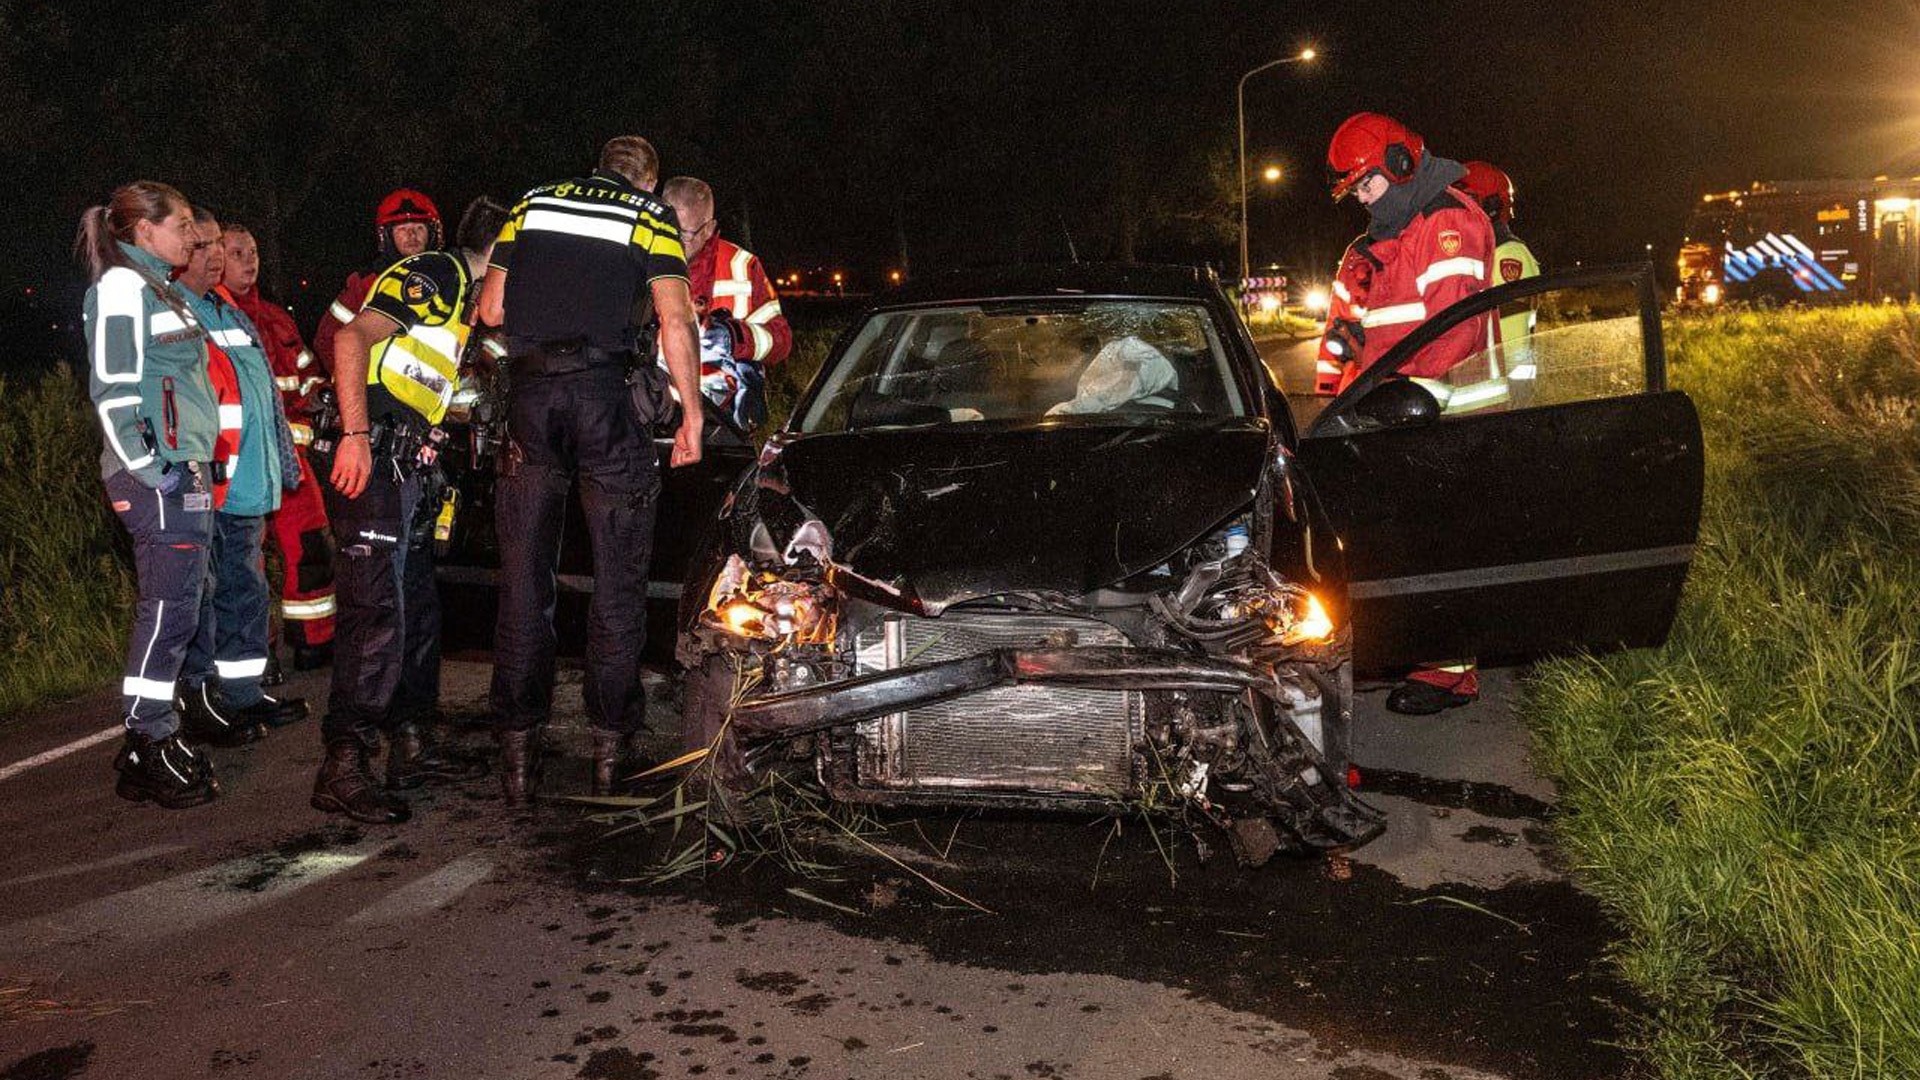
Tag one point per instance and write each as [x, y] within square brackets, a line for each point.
[210, 718]
[166, 771]
[414, 757]
[344, 786]
[519, 766]
[612, 760]
[275, 712]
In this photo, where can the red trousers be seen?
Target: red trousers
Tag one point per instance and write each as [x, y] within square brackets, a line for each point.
[299, 531]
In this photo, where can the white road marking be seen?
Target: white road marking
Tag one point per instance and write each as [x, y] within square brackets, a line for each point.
[121, 859]
[179, 903]
[58, 752]
[436, 890]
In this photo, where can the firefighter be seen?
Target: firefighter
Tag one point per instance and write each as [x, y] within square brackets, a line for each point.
[1492, 188]
[299, 527]
[147, 364]
[406, 223]
[1431, 246]
[220, 684]
[1336, 364]
[567, 271]
[396, 374]
[742, 330]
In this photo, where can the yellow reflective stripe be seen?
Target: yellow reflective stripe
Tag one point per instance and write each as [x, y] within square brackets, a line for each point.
[667, 245]
[1459, 266]
[306, 610]
[1395, 314]
[416, 372]
[762, 340]
[764, 314]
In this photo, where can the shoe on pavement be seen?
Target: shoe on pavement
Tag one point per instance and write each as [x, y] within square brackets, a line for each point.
[519, 766]
[208, 717]
[167, 771]
[275, 712]
[275, 675]
[1416, 698]
[344, 786]
[416, 757]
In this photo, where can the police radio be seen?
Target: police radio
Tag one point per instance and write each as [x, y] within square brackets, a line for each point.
[326, 422]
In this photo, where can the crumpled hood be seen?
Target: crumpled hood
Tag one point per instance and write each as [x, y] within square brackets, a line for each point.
[955, 513]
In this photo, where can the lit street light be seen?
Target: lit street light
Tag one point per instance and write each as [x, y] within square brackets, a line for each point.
[1240, 114]
[1271, 174]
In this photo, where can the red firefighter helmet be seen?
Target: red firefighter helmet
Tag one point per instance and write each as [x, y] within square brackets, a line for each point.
[1370, 142]
[1491, 187]
[402, 206]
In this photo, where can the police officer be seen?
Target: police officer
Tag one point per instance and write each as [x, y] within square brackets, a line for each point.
[396, 371]
[220, 685]
[566, 273]
[147, 364]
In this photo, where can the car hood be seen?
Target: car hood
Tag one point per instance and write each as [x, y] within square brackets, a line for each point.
[954, 513]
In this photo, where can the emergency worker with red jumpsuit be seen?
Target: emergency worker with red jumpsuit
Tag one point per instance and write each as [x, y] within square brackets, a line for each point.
[299, 528]
[1492, 188]
[742, 330]
[408, 223]
[1431, 247]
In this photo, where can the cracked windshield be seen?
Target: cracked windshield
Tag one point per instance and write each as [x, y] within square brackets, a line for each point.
[1136, 359]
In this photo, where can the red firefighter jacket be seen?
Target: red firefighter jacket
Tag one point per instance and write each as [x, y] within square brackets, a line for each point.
[294, 371]
[729, 277]
[340, 313]
[226, 393]
[1441, 257]
[1346, 302]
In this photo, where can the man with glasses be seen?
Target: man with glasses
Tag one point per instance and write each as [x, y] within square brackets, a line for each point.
[742, 331]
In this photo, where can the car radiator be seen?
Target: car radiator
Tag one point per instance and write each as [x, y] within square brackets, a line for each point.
[1050, 740]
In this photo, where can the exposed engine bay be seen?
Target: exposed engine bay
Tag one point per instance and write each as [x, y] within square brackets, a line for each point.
[1207, 687]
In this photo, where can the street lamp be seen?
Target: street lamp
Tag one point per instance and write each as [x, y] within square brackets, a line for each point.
[1271, 174]
[1240, 114]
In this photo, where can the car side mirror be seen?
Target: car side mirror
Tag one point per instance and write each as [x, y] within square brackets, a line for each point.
[1397, 403]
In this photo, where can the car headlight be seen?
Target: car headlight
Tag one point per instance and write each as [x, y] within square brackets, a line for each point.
[1300, 619]
[762, 606]
[1316, 301]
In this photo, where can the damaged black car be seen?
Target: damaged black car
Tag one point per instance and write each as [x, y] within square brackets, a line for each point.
[1049, 538]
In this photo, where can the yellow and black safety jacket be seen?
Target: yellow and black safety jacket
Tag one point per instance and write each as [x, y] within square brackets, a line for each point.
[429, 296]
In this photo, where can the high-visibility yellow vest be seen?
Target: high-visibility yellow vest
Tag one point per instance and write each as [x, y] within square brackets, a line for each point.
[420, 366]
[1513, 261]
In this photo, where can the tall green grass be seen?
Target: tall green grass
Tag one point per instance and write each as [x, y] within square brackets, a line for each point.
[65, 588]
[1746, 800]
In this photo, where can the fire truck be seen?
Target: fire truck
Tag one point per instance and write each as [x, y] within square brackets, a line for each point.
[1806, 241]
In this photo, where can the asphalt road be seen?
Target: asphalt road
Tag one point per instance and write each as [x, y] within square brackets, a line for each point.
[256, 937]
[1291, 361]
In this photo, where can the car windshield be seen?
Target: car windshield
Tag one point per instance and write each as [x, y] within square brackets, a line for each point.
[1131, 360]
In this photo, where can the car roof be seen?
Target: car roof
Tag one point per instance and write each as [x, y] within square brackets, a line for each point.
[1061, 279]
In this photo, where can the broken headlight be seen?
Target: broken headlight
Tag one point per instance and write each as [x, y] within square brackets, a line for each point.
[767, 607]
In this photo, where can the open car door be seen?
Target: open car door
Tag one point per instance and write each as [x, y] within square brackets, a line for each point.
[1542, 497]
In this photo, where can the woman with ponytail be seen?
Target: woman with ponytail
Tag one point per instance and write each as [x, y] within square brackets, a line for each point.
[147, 363]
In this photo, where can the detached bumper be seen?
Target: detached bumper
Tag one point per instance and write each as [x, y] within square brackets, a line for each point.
[816, 708]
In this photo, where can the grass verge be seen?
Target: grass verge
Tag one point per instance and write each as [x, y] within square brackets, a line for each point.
[65, 590]
[1746, 800]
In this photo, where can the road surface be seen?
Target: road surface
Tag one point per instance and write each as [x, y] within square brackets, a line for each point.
[255, 937]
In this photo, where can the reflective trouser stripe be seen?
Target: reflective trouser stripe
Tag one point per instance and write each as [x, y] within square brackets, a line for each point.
[307, 610]
[241, 669]
[135, 687]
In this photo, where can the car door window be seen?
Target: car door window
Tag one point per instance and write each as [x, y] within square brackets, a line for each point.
[1551, 340]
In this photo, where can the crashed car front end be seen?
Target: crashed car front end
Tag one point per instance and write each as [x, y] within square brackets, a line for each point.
[1208, 684]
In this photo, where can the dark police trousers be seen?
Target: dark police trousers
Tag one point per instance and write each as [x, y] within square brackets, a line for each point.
[562, 426]
[387, 627]
[170, 548]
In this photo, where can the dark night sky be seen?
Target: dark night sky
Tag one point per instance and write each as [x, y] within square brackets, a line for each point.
[974, 132]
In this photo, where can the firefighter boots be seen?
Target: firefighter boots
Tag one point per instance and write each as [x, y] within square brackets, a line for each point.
[166, 771]
[612, 760]
[344, 786]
